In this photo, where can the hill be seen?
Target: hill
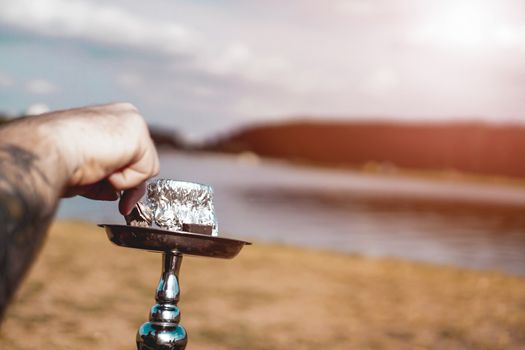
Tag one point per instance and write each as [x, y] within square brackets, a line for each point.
[472, 147]
[166, 138]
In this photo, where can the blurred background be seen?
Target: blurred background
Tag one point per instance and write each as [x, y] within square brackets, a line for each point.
[371, 128]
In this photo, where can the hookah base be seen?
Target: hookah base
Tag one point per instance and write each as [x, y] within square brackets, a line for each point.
[161, 337]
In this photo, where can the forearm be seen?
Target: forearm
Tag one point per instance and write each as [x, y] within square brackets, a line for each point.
[98, 152]
[32, 177]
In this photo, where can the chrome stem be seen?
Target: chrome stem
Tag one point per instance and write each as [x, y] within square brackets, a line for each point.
[163, 331]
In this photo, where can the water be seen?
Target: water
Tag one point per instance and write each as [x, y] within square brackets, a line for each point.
[455, 223]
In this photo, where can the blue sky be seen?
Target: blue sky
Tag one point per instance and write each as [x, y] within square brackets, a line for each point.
[209, 66]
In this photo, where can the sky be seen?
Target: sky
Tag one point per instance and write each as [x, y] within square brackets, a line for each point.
[205, 67]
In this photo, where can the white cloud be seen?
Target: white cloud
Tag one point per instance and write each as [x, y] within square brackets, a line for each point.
[356, 7]
[40, 87]
[238, 58]
[129, 80]
[201, 91]
[101, 23]
[259, 106]
[38, 108]
[113, 25]
[6, 81]
[284, 58]
[381, 81]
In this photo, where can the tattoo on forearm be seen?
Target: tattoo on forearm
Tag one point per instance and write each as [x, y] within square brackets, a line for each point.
[25, 214]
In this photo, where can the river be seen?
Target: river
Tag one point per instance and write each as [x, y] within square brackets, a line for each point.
[473, 225]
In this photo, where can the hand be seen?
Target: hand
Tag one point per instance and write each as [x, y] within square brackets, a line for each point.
[106, 149]
[96, 152]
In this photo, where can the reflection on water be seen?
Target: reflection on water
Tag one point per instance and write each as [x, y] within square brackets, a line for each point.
[462, 233]
[469, 225]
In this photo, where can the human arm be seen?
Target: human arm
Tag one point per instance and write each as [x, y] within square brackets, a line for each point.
[96, 152]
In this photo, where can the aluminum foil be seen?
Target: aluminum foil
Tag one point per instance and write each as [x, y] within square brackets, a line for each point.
[170, 204]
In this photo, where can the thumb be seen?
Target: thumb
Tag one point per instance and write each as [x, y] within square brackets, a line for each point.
[130, 197]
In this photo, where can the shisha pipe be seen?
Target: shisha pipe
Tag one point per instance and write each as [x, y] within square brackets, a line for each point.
[163, 330]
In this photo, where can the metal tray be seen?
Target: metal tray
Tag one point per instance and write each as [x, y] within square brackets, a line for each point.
[161, 240]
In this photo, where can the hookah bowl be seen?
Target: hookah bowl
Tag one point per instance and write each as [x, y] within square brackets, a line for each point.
[163, 331]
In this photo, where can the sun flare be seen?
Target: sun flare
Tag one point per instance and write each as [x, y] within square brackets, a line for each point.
[472, 24]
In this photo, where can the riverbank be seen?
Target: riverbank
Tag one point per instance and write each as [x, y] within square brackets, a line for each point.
[85, 292]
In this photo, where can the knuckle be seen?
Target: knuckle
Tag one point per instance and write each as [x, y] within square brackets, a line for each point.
[126, 106]
[156, 168]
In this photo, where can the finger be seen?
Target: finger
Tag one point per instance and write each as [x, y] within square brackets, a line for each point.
[136, 173]
[72, 191]
[130, 198]
[106, 195]
[101, 190]
[128, 178]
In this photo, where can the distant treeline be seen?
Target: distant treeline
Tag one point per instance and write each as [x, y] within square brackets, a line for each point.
[167, 138]
[472, 147]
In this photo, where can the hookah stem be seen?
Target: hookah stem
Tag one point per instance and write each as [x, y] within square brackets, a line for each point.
[163, 331]
[168, 290]
[171, 262]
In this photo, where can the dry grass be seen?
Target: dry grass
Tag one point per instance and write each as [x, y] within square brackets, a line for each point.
[85, 293]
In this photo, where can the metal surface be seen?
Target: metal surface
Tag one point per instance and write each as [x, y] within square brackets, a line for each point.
[139, 216]
[169, 204]
[163, 330]
[173, 241]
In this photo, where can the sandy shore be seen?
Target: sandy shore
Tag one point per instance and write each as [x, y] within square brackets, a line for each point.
[86, 293]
